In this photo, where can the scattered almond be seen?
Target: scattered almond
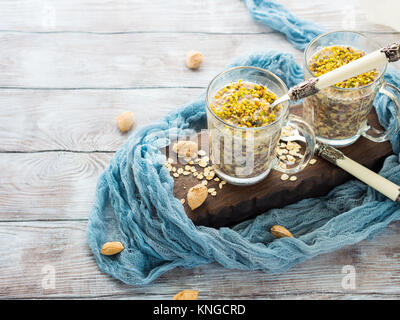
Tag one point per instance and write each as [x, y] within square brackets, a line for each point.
[125, 121]
[186, 295]
[293, 178]
[280, 232]
[196, 196]
[111, 248]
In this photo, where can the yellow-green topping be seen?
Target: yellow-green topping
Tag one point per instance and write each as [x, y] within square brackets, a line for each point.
[245, 104]
[334, 57]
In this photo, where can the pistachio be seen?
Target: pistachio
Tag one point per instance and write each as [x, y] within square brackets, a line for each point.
[125, 121]
[194, 59]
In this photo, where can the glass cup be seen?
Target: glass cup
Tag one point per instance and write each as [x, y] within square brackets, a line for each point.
[244, 156]
[339, 115]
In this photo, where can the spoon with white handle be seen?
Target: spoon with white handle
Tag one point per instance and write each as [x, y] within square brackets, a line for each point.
[336, 157]
[390, 53]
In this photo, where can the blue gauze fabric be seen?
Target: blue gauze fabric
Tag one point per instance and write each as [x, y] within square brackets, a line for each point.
[134, 200]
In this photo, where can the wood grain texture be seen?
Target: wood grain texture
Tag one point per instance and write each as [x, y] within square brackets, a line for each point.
[234, 204]
[121, 60]
[45, 197]
[226, 16]
[80, 120]
[126, 60]
[29, 249]
[49, 185]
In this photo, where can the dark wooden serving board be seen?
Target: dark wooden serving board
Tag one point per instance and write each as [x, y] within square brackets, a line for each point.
[234, 204]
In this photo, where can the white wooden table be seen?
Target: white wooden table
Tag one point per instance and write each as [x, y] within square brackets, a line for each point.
[67, 69]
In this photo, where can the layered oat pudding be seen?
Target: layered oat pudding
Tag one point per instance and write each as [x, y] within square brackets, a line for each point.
[340, 111]
[243, 134]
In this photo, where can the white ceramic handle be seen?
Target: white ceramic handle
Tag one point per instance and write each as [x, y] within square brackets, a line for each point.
[390, 53]
[379, 183]
[352, 69]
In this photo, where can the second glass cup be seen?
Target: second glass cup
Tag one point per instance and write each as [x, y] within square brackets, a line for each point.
[245, 155]
[339, 115]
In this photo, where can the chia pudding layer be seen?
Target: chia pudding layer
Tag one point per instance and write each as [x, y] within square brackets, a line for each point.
[243, 134]
[339, 112]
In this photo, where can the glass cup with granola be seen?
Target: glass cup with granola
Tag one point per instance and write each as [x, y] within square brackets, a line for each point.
[339, 114]
[245, 131]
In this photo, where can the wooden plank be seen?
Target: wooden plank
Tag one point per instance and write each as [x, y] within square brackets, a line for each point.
[49, 185]
[121, 60]
[80, 120]
[168, 16]
[126, 60]
[30, 250]
[234, 204]
[60, 185]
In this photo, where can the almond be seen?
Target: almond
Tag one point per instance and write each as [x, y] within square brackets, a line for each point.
[197, 195]
[186, 295]
[280, 232]
[110, 248]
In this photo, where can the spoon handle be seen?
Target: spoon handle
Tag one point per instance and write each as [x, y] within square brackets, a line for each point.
[390, 53]
[374, 180]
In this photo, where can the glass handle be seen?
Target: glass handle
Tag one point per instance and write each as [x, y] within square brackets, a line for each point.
[303, 132]
[388, 134]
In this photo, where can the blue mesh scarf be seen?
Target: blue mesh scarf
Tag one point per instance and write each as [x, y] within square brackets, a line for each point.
[135, 205]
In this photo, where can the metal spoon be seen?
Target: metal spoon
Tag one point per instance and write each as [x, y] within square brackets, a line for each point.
[336, 157]
[390, 53]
